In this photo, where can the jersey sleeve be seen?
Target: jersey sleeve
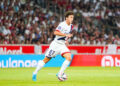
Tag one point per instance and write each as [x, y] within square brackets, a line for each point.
[59, 28]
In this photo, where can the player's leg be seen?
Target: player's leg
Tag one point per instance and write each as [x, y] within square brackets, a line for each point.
[52, 52]
[40, 66]
[65, 64]
[65, 52]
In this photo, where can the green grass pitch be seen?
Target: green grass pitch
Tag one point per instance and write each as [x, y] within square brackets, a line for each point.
[77, 76]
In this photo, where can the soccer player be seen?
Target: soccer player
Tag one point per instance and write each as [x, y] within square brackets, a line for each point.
[58, 45]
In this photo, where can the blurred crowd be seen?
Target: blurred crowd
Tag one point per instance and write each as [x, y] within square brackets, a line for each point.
[97, 22]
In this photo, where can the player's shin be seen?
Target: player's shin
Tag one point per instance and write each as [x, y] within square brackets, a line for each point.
[64, 66]
[39, 66]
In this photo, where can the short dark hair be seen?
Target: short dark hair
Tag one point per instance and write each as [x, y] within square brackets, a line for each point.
[68, 13]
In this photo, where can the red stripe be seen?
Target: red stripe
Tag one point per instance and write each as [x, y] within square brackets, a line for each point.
[64, 53]
[72, 27]
[57, 30]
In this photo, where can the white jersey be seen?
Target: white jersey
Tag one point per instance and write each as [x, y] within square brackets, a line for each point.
[64, 28]
[58, 44]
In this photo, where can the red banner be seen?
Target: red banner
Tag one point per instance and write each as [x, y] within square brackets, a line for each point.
[85, 49]
[96, 60]
[28, 49]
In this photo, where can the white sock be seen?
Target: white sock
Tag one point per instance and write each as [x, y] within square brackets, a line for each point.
[64, 66]
[39, 66]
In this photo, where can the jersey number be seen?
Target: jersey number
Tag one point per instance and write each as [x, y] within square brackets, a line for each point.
[51, 52]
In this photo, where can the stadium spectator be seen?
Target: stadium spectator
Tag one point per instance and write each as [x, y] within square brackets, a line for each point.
[27, 21]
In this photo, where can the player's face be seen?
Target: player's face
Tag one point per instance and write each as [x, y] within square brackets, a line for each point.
[70, 18]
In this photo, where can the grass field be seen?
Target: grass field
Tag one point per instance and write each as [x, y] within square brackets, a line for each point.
[77, 76]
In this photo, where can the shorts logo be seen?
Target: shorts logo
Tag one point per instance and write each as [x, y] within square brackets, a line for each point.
[107, 61]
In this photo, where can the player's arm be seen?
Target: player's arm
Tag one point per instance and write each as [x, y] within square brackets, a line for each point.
[62, 34]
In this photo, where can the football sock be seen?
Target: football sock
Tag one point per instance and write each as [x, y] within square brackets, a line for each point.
[64, 66]
[39, 66]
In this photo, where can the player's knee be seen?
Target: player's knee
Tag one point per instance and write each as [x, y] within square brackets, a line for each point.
[69, 58]
[45, 60]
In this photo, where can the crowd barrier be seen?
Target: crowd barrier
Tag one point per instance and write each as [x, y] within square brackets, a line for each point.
[25, 56]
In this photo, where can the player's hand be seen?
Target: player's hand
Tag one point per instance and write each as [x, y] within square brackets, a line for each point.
[69, 35]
